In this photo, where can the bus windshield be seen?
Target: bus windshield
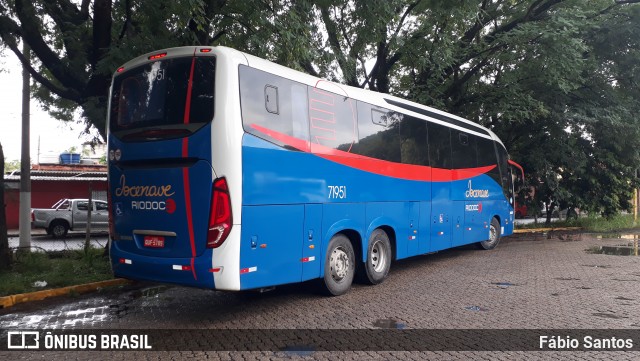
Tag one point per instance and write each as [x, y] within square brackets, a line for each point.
[155, 94]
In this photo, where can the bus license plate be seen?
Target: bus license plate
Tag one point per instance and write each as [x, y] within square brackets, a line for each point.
[154, 241]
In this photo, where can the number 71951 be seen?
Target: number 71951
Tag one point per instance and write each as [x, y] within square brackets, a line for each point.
[337, 192]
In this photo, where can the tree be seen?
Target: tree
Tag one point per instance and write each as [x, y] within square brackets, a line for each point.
[78, 45]
[557, 80]
[10, 166]
[5, 252]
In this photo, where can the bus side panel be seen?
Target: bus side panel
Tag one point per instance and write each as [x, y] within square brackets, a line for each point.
[441, 207]
[477, 219]
[424, 231]
[312, 242]
[403, 217]
[507, 222]
[476, 202]
[457, 224]
[271, 245]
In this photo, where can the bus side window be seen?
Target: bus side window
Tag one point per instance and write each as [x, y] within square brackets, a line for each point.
[505, 173]
[487, 157]
[273, 103]
[378, 133]
[414, 148]
[332, 120]
[439, 146]
[463, 150]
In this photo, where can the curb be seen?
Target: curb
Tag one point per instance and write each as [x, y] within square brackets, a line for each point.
[536, 230]
[9, 301]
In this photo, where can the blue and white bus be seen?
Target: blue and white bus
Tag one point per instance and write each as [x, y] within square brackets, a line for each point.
[230, 172]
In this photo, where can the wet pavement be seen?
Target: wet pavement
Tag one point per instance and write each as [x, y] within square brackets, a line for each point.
[530, 281]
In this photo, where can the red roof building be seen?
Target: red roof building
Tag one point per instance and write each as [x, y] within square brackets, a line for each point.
[51, 182]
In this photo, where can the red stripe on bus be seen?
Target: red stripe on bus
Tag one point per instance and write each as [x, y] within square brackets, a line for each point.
[187, 199]
[187, 106]
[187, 193]
[377, 166]
[299, 144]
[185, 171]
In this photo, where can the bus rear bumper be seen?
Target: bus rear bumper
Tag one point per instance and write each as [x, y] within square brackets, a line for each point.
[193, 272]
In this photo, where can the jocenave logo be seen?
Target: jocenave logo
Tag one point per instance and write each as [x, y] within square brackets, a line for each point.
[476, 193]
[142, 191]
[147, 191]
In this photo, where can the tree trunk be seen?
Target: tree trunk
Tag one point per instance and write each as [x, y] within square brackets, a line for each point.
[5, 253]
[549, 207]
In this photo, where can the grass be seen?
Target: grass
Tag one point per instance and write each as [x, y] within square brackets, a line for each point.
[591, 224]
[58, 270]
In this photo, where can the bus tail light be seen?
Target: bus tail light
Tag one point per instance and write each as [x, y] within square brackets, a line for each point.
[220, 219]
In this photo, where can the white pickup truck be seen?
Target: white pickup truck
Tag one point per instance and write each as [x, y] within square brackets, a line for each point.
[70, 214]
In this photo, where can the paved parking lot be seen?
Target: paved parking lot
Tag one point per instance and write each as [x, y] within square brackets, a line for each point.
[528, 282]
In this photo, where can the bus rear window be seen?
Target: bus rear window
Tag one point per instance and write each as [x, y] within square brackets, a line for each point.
[155, 94]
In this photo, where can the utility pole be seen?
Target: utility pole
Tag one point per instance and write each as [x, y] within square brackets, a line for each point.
[25, 158]
[636, 200]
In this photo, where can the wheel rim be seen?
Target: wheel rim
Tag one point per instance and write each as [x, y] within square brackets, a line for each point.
[378, 256]
[339, 263]
[58, 230]
[493, 234]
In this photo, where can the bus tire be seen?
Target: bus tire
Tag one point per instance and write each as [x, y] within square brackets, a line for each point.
[376, 268]
[58, 229]
[339, 266]
[494, 236]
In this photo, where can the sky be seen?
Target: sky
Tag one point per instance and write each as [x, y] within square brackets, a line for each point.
[53, 136]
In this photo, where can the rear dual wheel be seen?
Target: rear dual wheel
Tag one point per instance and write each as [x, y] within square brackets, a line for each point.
[340, 263]
[376, 268]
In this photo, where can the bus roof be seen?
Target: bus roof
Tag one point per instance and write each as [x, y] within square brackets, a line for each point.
[372, 97]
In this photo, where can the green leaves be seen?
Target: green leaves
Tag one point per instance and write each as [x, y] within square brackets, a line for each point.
[557, 80]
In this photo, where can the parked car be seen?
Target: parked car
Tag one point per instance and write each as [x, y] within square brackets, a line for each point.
[70, 214]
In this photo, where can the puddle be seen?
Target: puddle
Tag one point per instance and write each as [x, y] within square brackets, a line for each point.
[296, 350]
[122, 308]
[608, 315]
[389, 323]
[476, 308]
[623, 280]
[620, 250]
[503, 285]
[149, 291]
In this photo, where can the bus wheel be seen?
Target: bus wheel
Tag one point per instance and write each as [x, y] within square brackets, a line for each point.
[58, 229]
[378, 263]
[494, 236]
[339, 266]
